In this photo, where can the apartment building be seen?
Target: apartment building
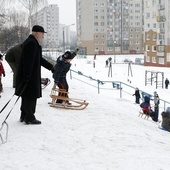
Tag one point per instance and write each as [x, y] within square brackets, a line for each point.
[110, 26]
[48, 17]
[157, 33]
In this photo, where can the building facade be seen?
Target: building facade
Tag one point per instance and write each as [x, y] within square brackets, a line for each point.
[48, 17]
[110, 26]
[157, 33]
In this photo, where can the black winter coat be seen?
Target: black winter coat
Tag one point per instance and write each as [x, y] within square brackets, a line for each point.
[61, 69]
[29, 70]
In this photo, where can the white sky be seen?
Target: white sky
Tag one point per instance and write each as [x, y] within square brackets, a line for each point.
[107, 135]
[67, 11]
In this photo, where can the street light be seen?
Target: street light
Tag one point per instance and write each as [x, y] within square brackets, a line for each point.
[64, 36]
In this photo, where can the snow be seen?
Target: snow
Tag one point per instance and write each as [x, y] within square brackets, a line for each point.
[107, 135]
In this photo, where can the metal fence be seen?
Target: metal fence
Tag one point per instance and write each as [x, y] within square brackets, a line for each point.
[118, 85]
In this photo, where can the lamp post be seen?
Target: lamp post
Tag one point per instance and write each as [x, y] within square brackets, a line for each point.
[64, 36]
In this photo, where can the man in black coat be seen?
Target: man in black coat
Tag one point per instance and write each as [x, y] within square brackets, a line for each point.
[28, 78]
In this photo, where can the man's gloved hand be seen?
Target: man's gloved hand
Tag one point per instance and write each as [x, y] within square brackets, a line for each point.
[76, 50]
[4, 74]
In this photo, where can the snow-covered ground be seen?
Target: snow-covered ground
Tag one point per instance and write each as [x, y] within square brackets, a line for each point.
[107, 135]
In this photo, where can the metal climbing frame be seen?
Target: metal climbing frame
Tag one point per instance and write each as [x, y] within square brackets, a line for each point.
[154, 75]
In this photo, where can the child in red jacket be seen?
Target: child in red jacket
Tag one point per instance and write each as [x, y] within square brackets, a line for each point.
[2, 72]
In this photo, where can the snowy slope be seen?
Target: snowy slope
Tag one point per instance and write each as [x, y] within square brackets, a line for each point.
[107, 135]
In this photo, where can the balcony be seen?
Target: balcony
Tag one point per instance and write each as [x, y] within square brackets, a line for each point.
[160, 53]
[160, 42]
[161, 18]
[161, 7]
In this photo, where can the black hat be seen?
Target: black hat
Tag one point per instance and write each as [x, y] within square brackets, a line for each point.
[38, 28]
[68, 55]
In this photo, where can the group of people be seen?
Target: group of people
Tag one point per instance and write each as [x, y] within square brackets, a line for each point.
[146, 106]
[153, 113]
[26, 60]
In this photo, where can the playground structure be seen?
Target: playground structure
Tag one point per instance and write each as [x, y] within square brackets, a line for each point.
[154, 75]
[129, 69]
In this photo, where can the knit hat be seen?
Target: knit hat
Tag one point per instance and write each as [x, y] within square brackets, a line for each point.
[67, 55]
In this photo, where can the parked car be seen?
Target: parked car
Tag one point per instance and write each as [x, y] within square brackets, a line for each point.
[139, 61]
[127, 60]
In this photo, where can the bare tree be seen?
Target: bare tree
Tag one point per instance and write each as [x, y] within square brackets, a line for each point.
[32, 6]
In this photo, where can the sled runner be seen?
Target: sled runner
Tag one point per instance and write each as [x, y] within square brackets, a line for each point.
[45, 82]
[142, 113]
[67, 103]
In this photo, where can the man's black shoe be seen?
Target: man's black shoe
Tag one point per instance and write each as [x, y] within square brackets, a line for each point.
[21, 119]
[33, 122]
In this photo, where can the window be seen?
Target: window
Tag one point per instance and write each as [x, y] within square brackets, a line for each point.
[96, 49]
[148, 25]
[154, 25]
[102, 23]
[168, 57]
[161, 48]
[147, 59]
[147, 15]
[153, 59]
[154, 48]
[147, 48]
[154, 37]
[96, 36]
[148, 37]
[95, 23]
[161, 61]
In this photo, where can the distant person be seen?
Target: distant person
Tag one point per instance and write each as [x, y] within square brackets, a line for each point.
[13, 57]
[166, 83]
[95, 57]
[137, 96]
[28, 78]
[94, 64]
[156, 106]
[107, 62]
[62, 66]
[2, 72]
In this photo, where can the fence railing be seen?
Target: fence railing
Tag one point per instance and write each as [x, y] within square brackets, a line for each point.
[121, 86]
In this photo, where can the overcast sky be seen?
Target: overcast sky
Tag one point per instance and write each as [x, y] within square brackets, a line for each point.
[67, 11]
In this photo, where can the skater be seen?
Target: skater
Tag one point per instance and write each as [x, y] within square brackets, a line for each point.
[137, 96]
[62, 66]
[2, 72]
[166, 83]
[28, 78]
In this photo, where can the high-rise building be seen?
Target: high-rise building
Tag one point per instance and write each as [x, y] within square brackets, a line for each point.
[157, 33]
[110, 26]
[48, 17]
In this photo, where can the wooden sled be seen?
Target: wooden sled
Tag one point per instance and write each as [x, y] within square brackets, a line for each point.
[76, 104]
[141, 114]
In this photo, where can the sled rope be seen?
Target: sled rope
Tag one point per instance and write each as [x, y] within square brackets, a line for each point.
[4, 123]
